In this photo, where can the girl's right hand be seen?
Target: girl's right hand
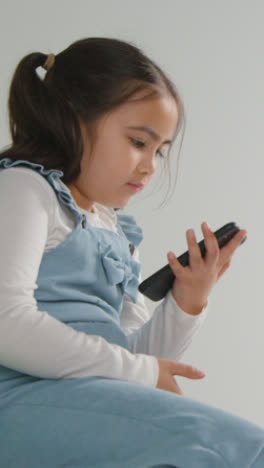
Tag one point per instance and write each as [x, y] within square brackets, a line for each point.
[167, 369]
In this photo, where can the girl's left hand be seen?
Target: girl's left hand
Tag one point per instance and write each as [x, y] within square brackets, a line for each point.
[194, 282]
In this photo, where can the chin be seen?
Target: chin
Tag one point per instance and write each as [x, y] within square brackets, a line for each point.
[118, 205]
[115, 206]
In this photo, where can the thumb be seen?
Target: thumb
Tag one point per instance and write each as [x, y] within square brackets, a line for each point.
[185, 370]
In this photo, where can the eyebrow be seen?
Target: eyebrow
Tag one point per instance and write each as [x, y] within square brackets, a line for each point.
[151, 132]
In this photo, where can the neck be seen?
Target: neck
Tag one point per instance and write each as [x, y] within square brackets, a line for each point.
[80, 199]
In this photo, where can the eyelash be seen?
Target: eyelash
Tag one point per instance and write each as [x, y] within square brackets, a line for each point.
[143, 144]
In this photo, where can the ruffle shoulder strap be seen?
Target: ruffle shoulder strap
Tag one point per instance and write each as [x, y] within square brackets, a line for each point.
[133, 232]
[53, 176]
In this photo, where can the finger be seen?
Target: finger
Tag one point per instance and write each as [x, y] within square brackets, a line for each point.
[228, 250]
[223, 270]
[185, 370]
[175, 265]
[177, 388]
[211, 244]
[195, 256]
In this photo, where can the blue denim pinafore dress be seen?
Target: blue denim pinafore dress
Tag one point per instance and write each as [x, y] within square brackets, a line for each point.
[98, 422]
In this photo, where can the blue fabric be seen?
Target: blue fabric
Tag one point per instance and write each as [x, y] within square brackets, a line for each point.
[98, 422]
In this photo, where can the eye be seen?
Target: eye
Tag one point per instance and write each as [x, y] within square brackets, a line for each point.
[140, 144]
[137, 143]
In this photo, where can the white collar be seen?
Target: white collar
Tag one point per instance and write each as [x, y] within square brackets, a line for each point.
[102, 216]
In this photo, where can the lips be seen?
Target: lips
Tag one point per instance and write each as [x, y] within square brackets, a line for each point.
[137, 184]
[137, 187]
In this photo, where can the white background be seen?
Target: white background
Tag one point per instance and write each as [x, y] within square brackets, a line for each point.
[213, 51]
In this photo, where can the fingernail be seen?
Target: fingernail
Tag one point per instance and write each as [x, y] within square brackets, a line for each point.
[171, 256]
[207, 226]
[200, 373]
[191, 234]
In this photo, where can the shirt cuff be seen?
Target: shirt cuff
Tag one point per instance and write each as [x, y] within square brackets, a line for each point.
[172, 307]
[144, 370]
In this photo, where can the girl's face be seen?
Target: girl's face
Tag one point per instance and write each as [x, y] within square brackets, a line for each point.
[124, 159]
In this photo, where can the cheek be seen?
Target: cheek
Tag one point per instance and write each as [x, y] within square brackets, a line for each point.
[113, 159]
[118, 158]
[105, 170]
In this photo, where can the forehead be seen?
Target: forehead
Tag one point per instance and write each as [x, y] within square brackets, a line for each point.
[159, 113]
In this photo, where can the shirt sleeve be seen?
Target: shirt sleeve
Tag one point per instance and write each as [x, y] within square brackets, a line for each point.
[165, 333]
[32, 341]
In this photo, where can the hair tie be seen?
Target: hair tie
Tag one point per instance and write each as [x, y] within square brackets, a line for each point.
[49, 62]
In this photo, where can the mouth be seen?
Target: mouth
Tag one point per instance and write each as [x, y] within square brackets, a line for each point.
[136, 187]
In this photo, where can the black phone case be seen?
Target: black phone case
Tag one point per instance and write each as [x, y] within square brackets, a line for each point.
[156, 286]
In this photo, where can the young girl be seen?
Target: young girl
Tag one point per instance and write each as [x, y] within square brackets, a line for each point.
[87, 374]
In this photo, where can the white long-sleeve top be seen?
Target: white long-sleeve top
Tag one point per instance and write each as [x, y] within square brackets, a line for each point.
[34, 221]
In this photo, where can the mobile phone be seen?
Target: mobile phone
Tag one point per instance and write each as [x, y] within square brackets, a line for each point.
[156, 286]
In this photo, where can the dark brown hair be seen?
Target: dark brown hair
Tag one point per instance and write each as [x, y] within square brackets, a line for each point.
[90, 78]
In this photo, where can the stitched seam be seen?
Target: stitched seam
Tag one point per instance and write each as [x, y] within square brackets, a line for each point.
[258, 455]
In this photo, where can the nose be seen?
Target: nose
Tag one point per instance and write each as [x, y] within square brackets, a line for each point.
[148, 163]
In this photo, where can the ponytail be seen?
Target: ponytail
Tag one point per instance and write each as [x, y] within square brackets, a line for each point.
[42, 122]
